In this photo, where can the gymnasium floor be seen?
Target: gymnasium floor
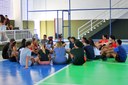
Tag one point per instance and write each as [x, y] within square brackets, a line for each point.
[91, 73]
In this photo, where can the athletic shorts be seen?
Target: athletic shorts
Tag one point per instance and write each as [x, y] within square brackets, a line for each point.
[118, 59]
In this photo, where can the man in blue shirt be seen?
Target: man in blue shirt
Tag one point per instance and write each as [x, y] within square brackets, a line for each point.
[120, 53]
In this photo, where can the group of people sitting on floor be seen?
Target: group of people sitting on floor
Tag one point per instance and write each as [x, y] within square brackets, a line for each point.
[45, 52]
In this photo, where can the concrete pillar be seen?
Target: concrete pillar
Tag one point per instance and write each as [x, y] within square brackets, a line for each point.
[17, 12]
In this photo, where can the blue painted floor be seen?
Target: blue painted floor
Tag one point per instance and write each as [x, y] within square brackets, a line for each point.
[12, 73]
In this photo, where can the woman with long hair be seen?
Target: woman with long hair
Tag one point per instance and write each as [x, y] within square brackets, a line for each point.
[44, 55]
[59, 54]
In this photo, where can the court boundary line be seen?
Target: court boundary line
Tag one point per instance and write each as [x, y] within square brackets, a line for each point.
[118, 63]
[60, 83]
[51, 75]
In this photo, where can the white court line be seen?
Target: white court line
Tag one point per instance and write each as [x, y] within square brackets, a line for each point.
[52, 75]
[116, 63]
[60, 83]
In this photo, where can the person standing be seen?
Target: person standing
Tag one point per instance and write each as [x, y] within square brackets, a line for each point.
[7, 21]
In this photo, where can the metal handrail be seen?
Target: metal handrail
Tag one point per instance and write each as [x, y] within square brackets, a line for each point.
[16, 34]
[97, 16]
[92, 27]
[101, 14]
[88, 25]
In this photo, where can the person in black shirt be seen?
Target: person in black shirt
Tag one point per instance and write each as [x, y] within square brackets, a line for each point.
[60, 40]
[77, 54]
[44, 55]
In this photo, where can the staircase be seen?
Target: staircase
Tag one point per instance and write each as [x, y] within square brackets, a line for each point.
[101, 21]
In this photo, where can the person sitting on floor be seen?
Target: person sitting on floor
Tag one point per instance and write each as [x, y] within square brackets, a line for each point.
[25, 56]
[6, 49]
[77, 54]
[21, 48]
[89, 51]
[119, 53]
[34, 47]
[49, 45]
[96, 50]
[102, 42]
[83, 39]
[44, 40]
[14, 53]
[60, 40]
[108, 48]
[44, 55]
[59, 53]
[73, 39]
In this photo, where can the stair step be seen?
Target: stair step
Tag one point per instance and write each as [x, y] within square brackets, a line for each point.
[97, 25]
[100, 23]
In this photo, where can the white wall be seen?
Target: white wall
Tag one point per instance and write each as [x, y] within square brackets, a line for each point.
[12, 8]
[17, 13]
[63, 4]
[6, 8]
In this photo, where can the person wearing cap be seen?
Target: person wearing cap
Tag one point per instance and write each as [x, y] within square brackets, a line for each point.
[77, 54]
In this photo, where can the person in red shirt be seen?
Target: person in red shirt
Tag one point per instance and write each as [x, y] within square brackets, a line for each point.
[108, 49]
[104, 39]
[102, 42]
[112, 42]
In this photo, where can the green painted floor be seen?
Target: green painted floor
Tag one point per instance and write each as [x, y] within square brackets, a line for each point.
[91, 73]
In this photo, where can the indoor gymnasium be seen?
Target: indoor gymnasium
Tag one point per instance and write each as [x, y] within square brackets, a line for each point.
[63, 42]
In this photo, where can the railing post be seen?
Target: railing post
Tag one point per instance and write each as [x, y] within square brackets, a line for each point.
[78, 34]
[110, 22]
[91, 24]
[15, 35]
